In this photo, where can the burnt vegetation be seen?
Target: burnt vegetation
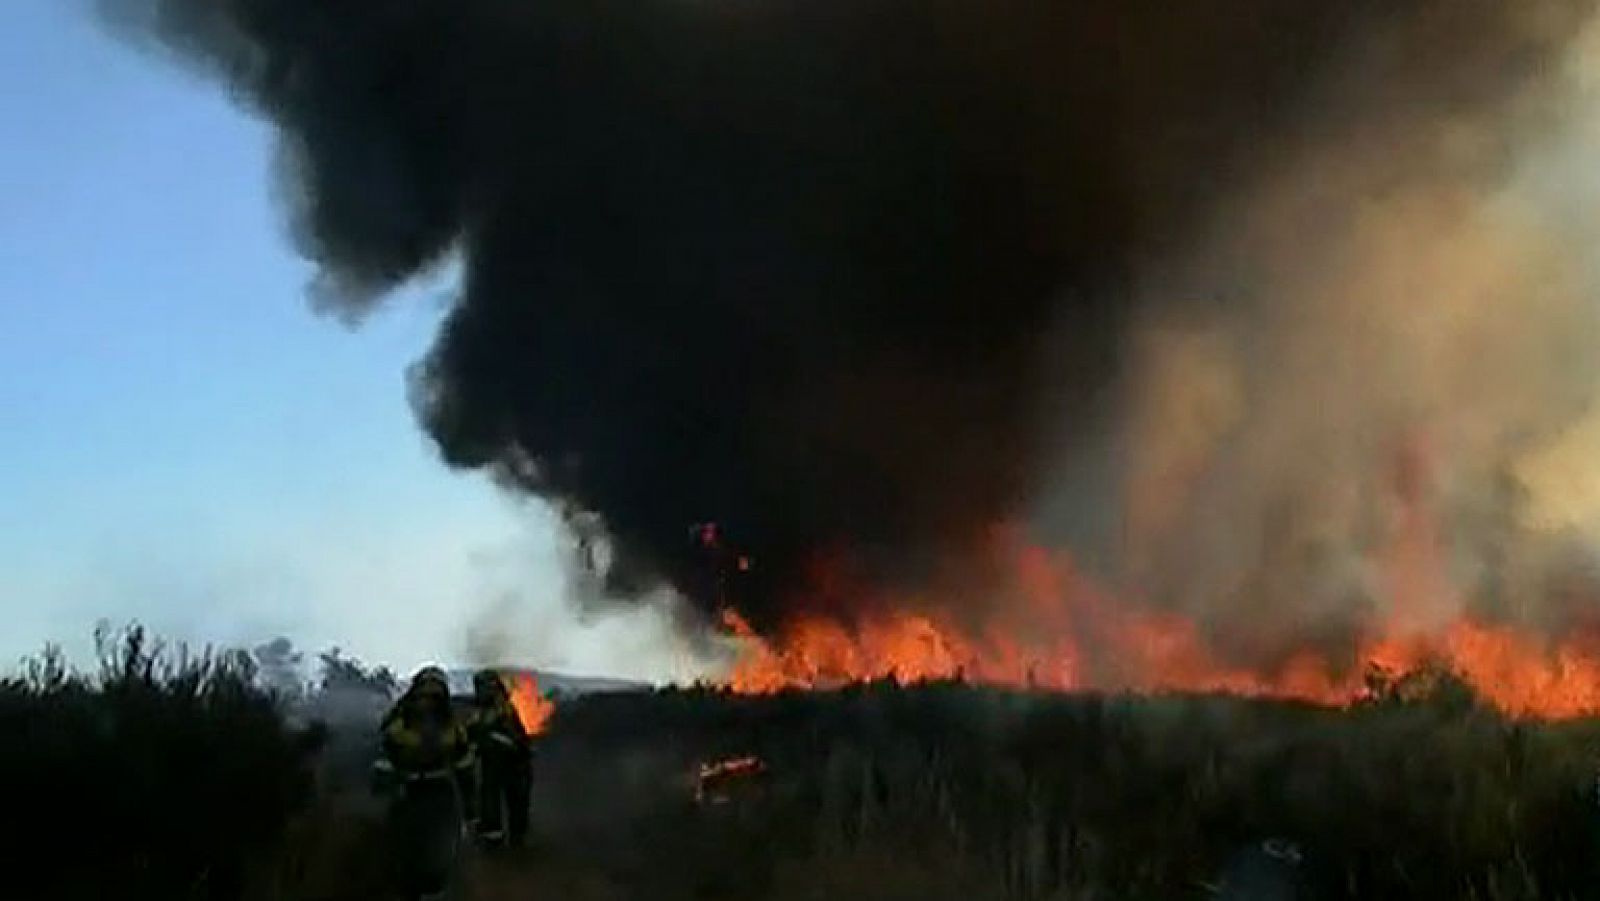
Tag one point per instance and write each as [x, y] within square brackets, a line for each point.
[188, 780]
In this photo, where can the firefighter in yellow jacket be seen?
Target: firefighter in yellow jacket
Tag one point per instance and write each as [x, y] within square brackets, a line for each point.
[427, 754]
[504, 751]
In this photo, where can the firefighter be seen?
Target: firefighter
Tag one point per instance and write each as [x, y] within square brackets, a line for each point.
[428, 756]
[503, 748]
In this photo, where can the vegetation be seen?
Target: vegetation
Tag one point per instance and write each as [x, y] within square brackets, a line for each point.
[342, 673]
[948, 791]
[181, 775]
[165, 774]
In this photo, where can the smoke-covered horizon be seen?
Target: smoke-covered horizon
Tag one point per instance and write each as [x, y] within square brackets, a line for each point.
[859, 279]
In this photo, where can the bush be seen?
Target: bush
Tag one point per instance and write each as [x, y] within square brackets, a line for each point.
[166, 774]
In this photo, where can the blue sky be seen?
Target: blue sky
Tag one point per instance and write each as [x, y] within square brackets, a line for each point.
[181, 440]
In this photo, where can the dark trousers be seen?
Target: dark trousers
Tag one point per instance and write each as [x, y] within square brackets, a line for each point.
[426, 824]
[505, 784]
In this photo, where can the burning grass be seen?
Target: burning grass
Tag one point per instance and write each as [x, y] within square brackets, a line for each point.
[1519, 674]
[878, 791]
[1051, 627]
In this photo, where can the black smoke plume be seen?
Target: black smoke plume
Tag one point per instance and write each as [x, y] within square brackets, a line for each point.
[833, 274]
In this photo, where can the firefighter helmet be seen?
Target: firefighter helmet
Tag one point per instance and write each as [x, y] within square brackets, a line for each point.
[430, 679]
[486, 682]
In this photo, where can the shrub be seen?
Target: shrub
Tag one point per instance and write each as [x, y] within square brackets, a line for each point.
[165, 774]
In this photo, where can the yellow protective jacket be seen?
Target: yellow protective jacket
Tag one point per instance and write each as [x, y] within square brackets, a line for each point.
[494, 727]
[422, 749]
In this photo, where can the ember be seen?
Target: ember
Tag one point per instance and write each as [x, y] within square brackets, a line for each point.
[714, 778]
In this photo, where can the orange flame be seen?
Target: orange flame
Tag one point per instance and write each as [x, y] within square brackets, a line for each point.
[1058, 630]
[1515, 673]
[533, 708]
[1095, 644]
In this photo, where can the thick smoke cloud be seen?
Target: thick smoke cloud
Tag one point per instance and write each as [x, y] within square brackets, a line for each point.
[1390, 420]
[841, 275]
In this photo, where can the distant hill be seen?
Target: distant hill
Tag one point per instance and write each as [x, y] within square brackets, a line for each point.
[358, 706]
[552, 685]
